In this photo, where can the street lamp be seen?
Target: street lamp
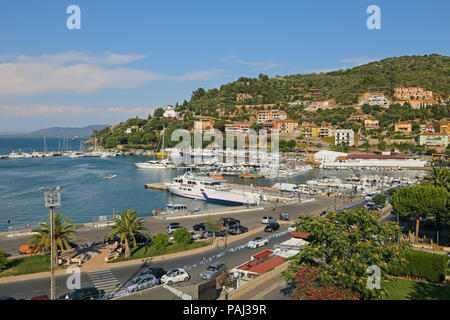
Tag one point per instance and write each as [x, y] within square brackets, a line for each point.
[52, 199]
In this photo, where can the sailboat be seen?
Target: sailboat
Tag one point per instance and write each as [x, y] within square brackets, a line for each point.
[157, 164]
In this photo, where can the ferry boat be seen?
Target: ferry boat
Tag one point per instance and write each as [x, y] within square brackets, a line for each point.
[212, 189]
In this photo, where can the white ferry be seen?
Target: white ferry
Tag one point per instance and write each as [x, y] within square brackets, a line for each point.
[212, 189]
[155, 164]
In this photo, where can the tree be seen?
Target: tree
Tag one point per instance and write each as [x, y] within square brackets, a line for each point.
[380, 199]
[160, 241]
[63, 231]
[127, 226]
[213, 223]
[159, 112]
[420, 200]
[342, 246]
[440, 177]
[182, 236]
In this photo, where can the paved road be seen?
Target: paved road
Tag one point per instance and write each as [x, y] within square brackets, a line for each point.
[108, 278]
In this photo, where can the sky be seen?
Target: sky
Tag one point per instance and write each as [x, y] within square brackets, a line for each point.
[130, 57]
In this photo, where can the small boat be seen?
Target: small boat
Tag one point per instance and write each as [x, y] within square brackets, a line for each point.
[111, 176]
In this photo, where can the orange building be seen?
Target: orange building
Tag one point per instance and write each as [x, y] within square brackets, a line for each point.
[203, 125]
[371, 123]
[403, 126]
[285, 126]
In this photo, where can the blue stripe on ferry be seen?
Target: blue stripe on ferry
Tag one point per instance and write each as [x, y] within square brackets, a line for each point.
[219, 200]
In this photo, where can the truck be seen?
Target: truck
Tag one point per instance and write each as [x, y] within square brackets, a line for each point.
[286, 187]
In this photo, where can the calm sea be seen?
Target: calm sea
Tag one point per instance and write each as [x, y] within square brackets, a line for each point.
[86, 193]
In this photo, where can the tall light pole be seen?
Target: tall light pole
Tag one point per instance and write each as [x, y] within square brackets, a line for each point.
[52, 199]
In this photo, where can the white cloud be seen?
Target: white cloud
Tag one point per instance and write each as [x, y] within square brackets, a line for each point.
[79, 72]
[263, 65]
[357, 61]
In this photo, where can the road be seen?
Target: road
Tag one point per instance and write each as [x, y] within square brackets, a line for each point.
[108, 278]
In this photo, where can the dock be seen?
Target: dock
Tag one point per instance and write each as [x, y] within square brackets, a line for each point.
[251, 176]
[156, 185]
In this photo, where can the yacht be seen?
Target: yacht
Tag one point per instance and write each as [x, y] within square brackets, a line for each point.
[155, 164]
[212, 189]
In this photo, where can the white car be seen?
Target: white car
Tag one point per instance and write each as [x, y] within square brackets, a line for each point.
[257, 242]
[268, 219]
[195, 235]
[292, 228]
[175, 275]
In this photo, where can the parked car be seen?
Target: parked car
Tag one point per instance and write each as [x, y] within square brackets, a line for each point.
[199, 226]
[257, 242]
[229, 221]
[237, 229]
[87, 293]
[195, 235]
[43, 297]
[323, 213]
[292, 228]
[209, 234]
[141, 282]
[171, 228]
[213, 270]
[268, 219]
[6, 298]
[158, 272]
[175, 275]
[26, 249]
[273, 226]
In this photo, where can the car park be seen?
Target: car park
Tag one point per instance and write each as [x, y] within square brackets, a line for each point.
[271, 227]
[141, 282]
[87, 293]
[158, 272]
[237, 229]
[199, 226]
[175, 275]
[213, 270]
[267, 219]
[257, 242]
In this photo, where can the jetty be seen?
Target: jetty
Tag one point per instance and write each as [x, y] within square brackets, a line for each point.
[156, 185]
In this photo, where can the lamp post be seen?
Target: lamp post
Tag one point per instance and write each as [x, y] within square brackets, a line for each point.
[52, 199]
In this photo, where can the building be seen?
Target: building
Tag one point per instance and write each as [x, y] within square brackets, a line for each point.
[242, 97]
[285, 126]
[271, 115]
[203, 125]
[434, 139]
[237, 128]
[170, 113]
[371, 123]
[326, 131]
[442, 126]
[319, 105]
[259, 264]
[413, 93]
[309, 130]
[424, 128]
[346, 136]
[357, 117]
[403, 126]
[374, 99]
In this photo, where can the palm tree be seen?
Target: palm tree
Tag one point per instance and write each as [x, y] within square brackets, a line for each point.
[127, 226]
[440, 177]
[64, 232]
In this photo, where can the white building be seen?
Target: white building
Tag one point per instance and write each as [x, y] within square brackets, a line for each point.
[170, 113]
[344, 136]
[289, 248]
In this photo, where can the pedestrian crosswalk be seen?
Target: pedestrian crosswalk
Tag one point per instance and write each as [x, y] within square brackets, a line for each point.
[104, 280]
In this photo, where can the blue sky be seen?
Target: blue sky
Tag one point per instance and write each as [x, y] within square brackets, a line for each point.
[132, 56]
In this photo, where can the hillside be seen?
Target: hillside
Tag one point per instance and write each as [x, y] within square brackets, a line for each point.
[67, 131]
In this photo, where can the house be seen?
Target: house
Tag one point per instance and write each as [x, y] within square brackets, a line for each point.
[424, 128]
[374, 99]
[442, 126]
[259, 264]
[285, 126]
[319, 105]
[326, 131]
[237, 128]
[170, 113]
[371, 123]
[203, 124]
[242, 97]
[434, 139]
[403, 126]
[309, 130]
[357, 117]
[346, 136]
[271, 115]
[412, 93]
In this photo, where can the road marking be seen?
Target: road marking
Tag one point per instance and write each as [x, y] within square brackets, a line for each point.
[103, 280]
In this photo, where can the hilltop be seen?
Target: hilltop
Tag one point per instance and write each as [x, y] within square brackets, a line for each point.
[67, 131]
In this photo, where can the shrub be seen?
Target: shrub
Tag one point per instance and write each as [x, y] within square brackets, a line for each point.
[182, 236]
[160, 241]
[420, 264]
[3, 260]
